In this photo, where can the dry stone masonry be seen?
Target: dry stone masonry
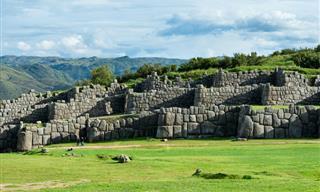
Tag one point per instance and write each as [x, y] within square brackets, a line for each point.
[212, 106]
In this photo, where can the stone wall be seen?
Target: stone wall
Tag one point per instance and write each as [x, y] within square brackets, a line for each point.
[57, 131]
[8, 137]
[62, 110]
[222, 79]
[290, 79]
[155, 82]
[172, 97]
[130, 126]
[294, 122]
[234, 95]
[91, 99]
[217, 121]
[30, 107]
[239, 121]
[290, 95]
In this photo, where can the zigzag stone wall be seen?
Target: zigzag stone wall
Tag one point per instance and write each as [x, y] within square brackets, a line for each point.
[179, 97]
[168, 99]
[290, 95]
[222, 79]
[232, 95]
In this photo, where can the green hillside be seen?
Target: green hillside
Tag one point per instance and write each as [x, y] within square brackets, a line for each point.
[305, 61]
[21, 73]
[13, 83]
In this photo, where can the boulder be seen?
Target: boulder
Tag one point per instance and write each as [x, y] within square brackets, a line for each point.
[122, 158]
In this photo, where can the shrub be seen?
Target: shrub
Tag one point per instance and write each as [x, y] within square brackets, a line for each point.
[102, 75]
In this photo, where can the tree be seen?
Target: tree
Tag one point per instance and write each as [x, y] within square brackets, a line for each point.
[239, 59]
[307, 59]
[102, 75]
[317, 49]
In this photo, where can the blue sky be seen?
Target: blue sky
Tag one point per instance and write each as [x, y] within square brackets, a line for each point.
[148, 28]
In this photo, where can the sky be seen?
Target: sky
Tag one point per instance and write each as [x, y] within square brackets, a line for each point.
[156, 28]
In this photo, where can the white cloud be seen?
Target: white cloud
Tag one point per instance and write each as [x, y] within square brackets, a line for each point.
[45, 45]
[106, 28]
[74, 42]
[75, 45]
[23, 46]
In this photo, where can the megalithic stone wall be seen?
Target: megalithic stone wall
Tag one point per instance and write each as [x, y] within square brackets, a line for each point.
[294, 122]
[57, 131]
[217, 121]
[239, 121]
[128, 126]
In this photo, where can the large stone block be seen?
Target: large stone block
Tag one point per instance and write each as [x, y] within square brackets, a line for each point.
[46, 139]
[193, 128]
[179, 119]
[207, 128]
[177, 131]
[295, 126]
[24, 141]
[193, 118]
[185, 130]
[280, 133]
[267, 120]
[55, 137]
[169, 119]
[165, 132]
[47, 130]
[269, 132]
[199, 118]
[275, 120]
[245, 127]
[103, 125]
[258, 130]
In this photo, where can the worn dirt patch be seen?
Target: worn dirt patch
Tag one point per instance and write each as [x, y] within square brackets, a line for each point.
[40, 185]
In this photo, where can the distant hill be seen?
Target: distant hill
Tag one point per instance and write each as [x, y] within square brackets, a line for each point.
[19, 74]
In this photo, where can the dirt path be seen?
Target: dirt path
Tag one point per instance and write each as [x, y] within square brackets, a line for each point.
[40, 185]
[168, 144]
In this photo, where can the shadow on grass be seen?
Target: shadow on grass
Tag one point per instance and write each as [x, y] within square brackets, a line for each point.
[199, 173]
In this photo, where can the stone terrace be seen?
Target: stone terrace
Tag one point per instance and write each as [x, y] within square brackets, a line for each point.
[213, 106]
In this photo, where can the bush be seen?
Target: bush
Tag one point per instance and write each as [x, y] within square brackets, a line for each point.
[307, 59]
[102, 75]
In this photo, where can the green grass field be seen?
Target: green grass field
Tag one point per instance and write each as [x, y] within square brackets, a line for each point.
[274, 165]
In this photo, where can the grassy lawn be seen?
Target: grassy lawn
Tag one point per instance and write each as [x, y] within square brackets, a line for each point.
[274, 165]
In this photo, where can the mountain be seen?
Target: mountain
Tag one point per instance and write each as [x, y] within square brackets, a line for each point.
[19, 74]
